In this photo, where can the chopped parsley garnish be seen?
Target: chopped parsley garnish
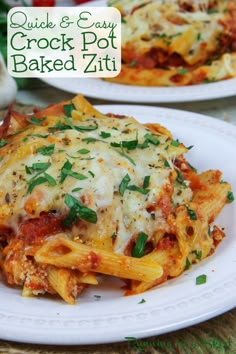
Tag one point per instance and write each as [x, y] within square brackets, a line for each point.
[28, 170]
[175, 143]
[146, 181]
[142, 301]
[190, 147]
[122, 153]
[69, 172]
[35, 182]
[138, 250]
[182, 71]
[166, 164]
[129, 145]
[132, 63]
[78, 210]
[39, 135]
[143, 145]
[212, 11]
[199, 36]
[138, 189]
[90, 140]
[192, 168]
[50, 179]
[80, 127]
[201, 279]
[76, 189]
[36, 121]
[105, 135]
[191, 213]
[40, 168]
[3, 142]
[68, 108]
[187, 264]
[83, 151]
[124, 184]
[46, 150]
[198, 254]
[180, 178]
[151, 139]
[230, 196]
[67, 166]
[91, 173]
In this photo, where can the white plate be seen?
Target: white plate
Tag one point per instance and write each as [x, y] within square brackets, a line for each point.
[173, 305]
[98, 88]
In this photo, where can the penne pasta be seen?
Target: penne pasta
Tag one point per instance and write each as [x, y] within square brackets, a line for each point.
[60, 251]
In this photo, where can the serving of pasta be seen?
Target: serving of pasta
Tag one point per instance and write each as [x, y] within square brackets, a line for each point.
[84, 193]
[177, 42]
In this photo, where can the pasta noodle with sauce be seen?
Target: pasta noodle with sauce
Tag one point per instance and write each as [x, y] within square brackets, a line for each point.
[176, 42]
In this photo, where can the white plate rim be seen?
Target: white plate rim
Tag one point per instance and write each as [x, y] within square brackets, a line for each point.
[105, 322]
[100, 89]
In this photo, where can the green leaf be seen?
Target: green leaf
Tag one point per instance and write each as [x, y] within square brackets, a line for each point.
[67, 166]
[50, 179]
[3, 142]
[201, 279]
[46, 150]
[76, 175]
[146, 181]
[83, 151]
[105, 135]
[90, 140]
[28, 170]
[76, 189]
[36, 121]
[166, 164]
[175, 143]
[151, 139]
[40, 166]
[68, 108]
[192, 214]
[230, 196]
[35, 182]
[142, 301]
[91, 173]
[138, 250]
[124, 184]
[78, 210]
[138, 189]
[39, 135]
[198, 254]
[180, 178]
[187, 264]
[130, 145]
[182, 71]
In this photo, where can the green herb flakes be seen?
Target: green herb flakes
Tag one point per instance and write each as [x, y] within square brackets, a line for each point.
[230, 196]
[138, 250]
[68, 108]
[124, 184]
[201, 279]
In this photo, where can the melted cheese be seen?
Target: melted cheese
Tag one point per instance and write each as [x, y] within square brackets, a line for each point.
[192, 35]
[103, 168]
